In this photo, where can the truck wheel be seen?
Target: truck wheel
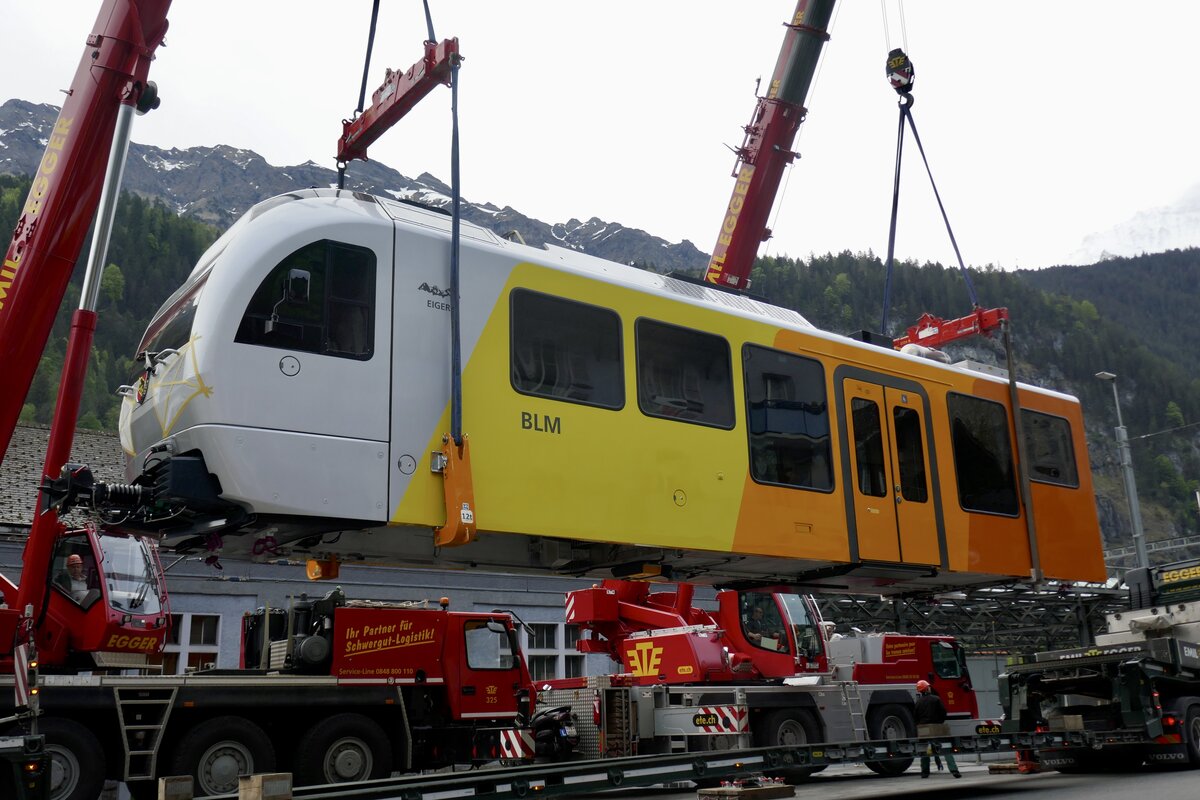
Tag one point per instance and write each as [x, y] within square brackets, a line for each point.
[1192, 727]
[346, 747]
[784, 728]
[216, 752]
[76, 760]
[891, 722]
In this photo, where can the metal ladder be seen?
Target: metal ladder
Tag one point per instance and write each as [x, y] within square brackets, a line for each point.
[858, 717]
[143, 715]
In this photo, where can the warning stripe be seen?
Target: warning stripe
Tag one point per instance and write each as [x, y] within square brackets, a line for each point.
[731, 719]
[21, 675]
[516, 743]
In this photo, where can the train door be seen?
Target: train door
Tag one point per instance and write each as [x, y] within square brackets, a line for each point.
[888, 483]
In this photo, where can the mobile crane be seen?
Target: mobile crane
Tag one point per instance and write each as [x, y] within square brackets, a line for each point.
[106, 607]
[71, 185]
[762, 669]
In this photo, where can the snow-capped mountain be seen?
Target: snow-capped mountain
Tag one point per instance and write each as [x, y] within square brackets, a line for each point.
[1156, 230]
[217, 184]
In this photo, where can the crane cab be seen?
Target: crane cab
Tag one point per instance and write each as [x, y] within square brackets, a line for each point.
[107, 597]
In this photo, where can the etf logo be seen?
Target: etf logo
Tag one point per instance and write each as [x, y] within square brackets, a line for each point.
[644, 659]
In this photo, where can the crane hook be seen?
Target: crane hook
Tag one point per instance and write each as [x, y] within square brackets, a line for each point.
[900, 71]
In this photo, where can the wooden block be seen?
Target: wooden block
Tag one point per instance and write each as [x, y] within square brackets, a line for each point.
[272, 786]
[1066, 722]
[177, 787]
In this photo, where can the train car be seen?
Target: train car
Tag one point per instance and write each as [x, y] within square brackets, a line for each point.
[620, 422]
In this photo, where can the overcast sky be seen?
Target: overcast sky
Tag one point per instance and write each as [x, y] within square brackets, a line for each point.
[1043, 122]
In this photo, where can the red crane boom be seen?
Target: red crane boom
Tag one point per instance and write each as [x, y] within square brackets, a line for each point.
[400, 92]
[767, 147]
[931, 331]
[66, 189]
[74, 183]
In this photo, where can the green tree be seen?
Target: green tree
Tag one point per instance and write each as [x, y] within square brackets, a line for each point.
[112, 284]
[1174, 415]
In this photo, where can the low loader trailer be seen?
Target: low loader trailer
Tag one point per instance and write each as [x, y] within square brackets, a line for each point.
[1136, 692]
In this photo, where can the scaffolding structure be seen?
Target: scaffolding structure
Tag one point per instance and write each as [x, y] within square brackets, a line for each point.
[1013, 619]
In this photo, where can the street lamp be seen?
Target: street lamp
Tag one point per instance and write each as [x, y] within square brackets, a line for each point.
[1135, 512]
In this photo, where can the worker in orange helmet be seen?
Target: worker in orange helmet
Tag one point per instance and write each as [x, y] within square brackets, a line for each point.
[928, 710]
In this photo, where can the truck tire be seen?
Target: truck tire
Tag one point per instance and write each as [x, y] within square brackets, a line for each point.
[76, 759]
[217, 751]
[1191, 726]
[345, 747]
[891, 722]
[785, 727]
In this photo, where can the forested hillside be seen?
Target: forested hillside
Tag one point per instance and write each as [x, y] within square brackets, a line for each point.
[1129, 317]
[1155, 296]
[151, 252]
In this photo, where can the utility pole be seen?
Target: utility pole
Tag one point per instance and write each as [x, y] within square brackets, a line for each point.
[1135, 511]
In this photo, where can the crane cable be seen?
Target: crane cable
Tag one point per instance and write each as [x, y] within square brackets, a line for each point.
[901, 74]
[362, 92]
[455, 215]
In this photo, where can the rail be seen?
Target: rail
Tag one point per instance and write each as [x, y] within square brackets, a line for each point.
[580, 777]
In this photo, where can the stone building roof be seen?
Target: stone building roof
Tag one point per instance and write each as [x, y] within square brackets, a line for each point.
[22, 469]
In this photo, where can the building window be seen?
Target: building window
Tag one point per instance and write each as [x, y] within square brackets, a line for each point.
[571, 635]
[543, 636]
[788, 419]
[573, 666]
[1049, 449]
[320, 299]
[204, 629]
[983, 460]
[566, 350]
[193, 643]
[683, 375]
[542, 668]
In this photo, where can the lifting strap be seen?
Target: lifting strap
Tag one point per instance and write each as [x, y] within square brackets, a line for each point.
[362, 92]
[452, 460]
[900, 73]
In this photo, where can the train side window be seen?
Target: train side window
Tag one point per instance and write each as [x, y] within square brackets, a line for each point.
[787, 418]
[683, 374]
[320, 299]
[566, 350]
[868, 447]
[1049, 450]
[983, 461]
[910, 454]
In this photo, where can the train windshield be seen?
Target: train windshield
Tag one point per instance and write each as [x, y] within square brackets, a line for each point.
[804, 627]
[131, 575]
[172, 325]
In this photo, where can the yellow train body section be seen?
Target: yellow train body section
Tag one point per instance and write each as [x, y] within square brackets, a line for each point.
[542, 467]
